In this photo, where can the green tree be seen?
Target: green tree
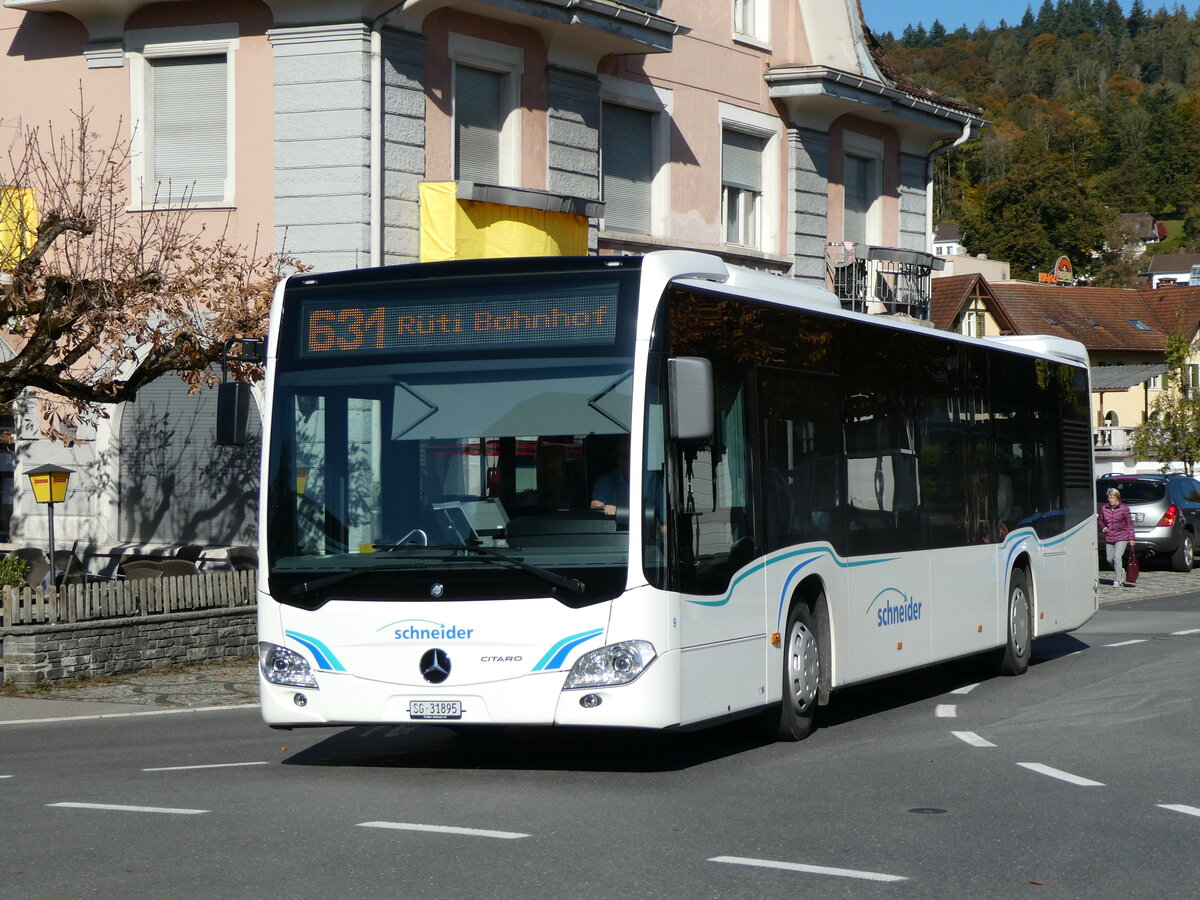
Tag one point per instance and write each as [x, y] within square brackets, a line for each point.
[1171, 433]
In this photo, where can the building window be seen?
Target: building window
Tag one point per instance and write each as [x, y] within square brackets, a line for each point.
[1193, 376]
[973, 323]
[486, 93]
[181, 83]
[741, 187]
[751, 20]
[1154, 383]
[862, 183]
[478, 118]
[627, 161]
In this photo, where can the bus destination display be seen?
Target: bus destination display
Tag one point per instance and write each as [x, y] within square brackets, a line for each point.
[341, 328]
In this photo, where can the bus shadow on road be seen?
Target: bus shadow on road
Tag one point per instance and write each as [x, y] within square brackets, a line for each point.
[557, 749]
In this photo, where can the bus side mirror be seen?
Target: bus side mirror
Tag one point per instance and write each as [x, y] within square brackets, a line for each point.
[690, 382]
[233, 413]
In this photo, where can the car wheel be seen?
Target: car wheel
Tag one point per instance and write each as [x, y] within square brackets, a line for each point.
[1184, 555]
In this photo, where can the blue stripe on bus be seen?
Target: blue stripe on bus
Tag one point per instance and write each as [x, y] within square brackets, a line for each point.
[721, 601]
[557, 654]
[325, 658]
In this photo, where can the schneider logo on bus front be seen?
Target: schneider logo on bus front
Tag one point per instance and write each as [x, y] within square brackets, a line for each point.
[425, 630]
[895, 611]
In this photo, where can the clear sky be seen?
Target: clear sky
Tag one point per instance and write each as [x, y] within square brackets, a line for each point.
[893, 15]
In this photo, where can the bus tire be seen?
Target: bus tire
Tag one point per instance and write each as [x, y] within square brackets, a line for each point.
[1019, 644]
[801, 675]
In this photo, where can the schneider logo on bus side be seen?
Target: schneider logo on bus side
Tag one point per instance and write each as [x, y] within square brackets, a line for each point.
[893, 607]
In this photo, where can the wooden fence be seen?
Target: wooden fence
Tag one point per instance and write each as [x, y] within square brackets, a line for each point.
[127, 598]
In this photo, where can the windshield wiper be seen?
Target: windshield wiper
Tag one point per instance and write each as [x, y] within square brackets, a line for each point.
[574, 585]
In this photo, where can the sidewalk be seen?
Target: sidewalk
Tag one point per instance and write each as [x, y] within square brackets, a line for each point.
[1156, 582]
[203, 686]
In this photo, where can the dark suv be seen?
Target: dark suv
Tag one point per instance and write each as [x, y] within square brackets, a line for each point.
[1166, 514]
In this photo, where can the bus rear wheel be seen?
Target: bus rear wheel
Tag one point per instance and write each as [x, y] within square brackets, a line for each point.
[1019, 645]
[801, 675]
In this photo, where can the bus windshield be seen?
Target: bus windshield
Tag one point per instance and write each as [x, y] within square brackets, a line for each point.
[450, 476]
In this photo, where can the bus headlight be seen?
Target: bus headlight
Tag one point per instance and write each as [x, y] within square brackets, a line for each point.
[283, 666]
[615, 664]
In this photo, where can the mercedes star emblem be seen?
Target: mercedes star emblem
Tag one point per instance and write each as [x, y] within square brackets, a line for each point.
[435, 666]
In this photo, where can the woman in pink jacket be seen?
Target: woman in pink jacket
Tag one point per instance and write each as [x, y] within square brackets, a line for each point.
[1117, 522]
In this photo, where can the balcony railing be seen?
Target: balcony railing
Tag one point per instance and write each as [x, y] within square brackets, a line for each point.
[1112, 440]
[881, 280]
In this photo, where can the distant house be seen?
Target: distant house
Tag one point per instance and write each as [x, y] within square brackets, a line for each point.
[1172, 268]
[1141, 229]
[1125, 332]
[947, 240]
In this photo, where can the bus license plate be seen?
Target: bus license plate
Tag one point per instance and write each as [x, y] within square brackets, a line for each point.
[434, 709]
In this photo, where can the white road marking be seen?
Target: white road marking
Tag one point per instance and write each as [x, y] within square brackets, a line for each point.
[1189, 631]
[972, 738]
[209, 766]
[445, 829]
[1061, 775]
[128, 715]
[146, 809]
[1127, 643]
[1176, 807]
[946, 711]
[813, 870]
[5, 776]
[965, 689]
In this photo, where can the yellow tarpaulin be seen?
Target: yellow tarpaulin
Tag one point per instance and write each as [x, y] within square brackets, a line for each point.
[18, 225]
[468, 229]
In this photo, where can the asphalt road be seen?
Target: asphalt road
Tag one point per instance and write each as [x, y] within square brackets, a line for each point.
[1079, 779]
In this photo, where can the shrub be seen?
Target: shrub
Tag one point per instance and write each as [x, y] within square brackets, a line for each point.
[12, 571]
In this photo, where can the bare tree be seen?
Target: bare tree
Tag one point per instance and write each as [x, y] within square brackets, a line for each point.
[101, 299]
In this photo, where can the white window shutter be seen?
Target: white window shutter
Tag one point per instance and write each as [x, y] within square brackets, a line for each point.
[478, 116]
[628, 166]
[189, 131]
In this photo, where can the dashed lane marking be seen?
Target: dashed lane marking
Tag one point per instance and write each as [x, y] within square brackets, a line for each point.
[209, 766]
[1061, 775]
[445, 829]
[812, 870]
[972, 738]
[946, 711]
[1179, 808]
[114, 807]
[965, 689]
[1127, 643]
[1188, 631]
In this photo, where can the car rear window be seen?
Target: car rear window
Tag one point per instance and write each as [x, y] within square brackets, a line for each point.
[1133, 491]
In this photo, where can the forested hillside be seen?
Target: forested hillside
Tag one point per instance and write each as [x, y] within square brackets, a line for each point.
[1092, 113]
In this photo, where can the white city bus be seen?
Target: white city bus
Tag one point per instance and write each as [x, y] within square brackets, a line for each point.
[796, 498]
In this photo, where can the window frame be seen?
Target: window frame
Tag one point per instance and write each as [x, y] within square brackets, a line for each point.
[766, 128]
[870, 150]
[143, 47]
[508, 62]
[750, 22]
[659, 103]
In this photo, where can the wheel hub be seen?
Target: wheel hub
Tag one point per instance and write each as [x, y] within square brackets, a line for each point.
[803, 666]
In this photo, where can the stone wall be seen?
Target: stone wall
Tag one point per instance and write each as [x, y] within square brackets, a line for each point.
[39, 654]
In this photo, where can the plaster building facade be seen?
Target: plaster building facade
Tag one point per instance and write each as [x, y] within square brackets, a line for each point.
[373, 132]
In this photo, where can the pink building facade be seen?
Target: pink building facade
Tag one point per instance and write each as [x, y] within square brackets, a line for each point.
[770, 132]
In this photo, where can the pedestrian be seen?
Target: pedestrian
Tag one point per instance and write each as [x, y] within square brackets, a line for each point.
[1117, 522]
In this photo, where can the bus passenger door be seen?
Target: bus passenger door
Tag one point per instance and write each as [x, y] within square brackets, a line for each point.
[715, 548]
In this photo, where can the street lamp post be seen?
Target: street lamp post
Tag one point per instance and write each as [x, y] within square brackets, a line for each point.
[49, 485]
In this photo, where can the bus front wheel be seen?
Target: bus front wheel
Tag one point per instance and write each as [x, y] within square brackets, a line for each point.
[1019, 646]
[801, 675]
